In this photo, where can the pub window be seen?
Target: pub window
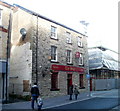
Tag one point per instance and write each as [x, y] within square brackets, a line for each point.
[54, 82]
[81, 80]
[53, 53]
[53, 32]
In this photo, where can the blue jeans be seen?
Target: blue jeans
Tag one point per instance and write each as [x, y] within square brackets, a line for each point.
[34, 98]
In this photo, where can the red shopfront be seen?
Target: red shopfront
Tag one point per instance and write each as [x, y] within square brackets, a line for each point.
[69, 71]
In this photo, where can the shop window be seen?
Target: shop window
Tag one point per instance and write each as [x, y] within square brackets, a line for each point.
[53, 53]
[53, 32]
[54, 82]
[81, 81]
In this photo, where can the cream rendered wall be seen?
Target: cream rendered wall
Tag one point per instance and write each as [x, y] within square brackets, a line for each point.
[21, 53]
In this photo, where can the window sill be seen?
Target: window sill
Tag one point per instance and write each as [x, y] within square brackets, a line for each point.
[82, 87]
[80, 46]
[69, 43]
[54, 89]
[69, 63]
[54, 38]
[81, 65]
[54, 61]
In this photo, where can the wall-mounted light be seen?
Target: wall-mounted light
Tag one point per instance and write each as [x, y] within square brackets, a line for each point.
[23, 33]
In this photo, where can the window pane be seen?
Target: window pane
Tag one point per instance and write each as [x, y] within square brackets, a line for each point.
[81, 60]
[54, 81]
[53, 32]
[79, 41]
[68, 40]
[69, 56]
[53, 53]
[0, 17]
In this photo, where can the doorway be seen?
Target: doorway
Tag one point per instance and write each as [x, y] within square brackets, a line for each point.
[90, 84]
[69, 82]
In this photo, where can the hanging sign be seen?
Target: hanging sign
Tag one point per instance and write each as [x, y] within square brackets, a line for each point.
[77, 54]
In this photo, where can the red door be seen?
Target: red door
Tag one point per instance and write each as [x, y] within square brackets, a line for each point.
[69, 82]
[90, 84]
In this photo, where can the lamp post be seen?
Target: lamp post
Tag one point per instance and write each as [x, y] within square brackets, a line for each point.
[85, 24]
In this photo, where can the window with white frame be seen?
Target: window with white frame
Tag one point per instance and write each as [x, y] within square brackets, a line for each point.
[79, 41]
[0, 17]
[53, 53]
[69, 56]
[81, 59]
[68, 37]
[53, 32]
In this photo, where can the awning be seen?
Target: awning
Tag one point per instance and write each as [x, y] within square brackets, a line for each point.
[2, 67]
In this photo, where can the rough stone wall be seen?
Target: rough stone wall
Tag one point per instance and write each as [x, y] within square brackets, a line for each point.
[30, 59]
[43, 54]
[3, 35]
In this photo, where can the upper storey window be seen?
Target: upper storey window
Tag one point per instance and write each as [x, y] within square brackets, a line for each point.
[81, 59]
[69, 56]
[53, 53]
[0, 17]
[79, 41]
[68, 37]
[53, 32]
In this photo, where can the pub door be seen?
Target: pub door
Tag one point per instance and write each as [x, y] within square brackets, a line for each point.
[69, 82]
[90, 84]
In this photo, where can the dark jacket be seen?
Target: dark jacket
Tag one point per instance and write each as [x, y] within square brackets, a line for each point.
[71, 90]
[76, 91]
[35, 90]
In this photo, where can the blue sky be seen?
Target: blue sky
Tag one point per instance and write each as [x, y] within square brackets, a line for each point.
[102, 16]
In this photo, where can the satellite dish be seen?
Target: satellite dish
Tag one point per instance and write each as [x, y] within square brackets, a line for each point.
[23, 31]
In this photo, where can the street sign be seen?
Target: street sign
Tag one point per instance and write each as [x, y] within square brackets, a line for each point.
[88, 76]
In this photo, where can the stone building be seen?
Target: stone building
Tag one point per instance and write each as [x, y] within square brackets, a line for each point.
[47, 52]
[5, 22]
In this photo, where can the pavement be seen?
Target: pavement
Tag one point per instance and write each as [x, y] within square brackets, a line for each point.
[55, 101]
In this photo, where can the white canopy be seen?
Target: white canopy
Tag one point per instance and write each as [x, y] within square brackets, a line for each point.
[104, 59]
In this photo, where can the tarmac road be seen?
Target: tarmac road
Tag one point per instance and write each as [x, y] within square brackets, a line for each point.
[94, 103]
[97, 100]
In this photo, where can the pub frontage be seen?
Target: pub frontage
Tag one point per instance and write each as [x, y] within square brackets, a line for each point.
[73, 75]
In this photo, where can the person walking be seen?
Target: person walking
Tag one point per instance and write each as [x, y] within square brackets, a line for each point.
[40, 103]
[35, 94]
[76, 92]
[71, 92]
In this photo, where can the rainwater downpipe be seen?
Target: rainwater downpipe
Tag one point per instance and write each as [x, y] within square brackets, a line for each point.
[8, 56]
[37, 51]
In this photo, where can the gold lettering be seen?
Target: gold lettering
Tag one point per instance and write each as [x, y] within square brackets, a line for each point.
[66, 68]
